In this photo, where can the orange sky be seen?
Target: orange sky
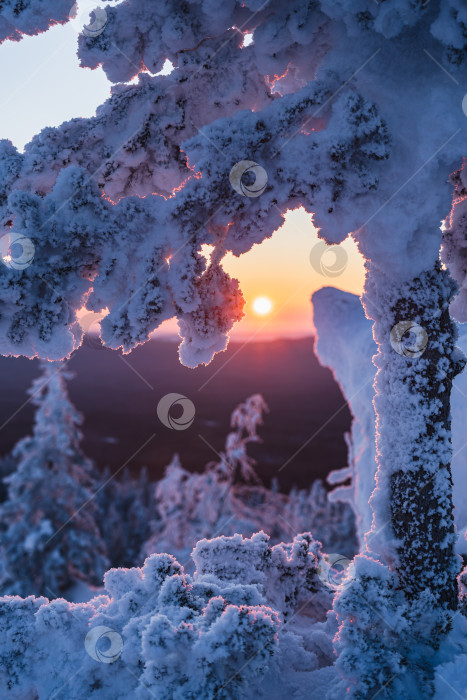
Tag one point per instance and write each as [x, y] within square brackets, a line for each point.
[280, 269]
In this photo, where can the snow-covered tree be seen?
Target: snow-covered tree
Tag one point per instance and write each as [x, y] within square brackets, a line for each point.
[228, 498]
[346, 345]
[161, 154]
[49, 537]
[194, 505]
[189, 506]
[347, 109]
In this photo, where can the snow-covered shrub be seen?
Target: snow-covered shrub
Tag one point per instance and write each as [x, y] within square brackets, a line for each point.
[287, 572]
[189, 506]
[171, 635]
[192, 506]
[385, 645]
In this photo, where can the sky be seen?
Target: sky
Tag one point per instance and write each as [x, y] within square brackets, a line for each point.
[43, 85]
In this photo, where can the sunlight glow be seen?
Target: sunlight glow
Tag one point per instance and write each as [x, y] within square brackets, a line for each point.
[262, 306]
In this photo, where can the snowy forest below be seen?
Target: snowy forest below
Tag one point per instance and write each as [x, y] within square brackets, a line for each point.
[225, 115]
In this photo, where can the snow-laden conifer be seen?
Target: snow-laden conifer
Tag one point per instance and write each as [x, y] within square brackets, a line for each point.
[49, 537]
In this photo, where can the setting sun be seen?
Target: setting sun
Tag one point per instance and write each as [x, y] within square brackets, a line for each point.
[262, 306]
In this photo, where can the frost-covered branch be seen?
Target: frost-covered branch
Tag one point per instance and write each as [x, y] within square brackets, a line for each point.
[30, 17]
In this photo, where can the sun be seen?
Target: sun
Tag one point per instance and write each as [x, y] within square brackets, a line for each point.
[262, 306]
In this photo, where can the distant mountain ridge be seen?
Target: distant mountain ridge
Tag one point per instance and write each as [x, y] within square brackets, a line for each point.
[119, 395]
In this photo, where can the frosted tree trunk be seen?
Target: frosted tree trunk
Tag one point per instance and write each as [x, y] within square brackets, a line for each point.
[413, 525]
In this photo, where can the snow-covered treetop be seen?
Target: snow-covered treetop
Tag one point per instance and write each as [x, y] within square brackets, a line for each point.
[245, 420]
[340, 110]
[249, 415]
[56, 420]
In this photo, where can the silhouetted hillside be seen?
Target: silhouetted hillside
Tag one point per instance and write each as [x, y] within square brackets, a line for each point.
[119, 395]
